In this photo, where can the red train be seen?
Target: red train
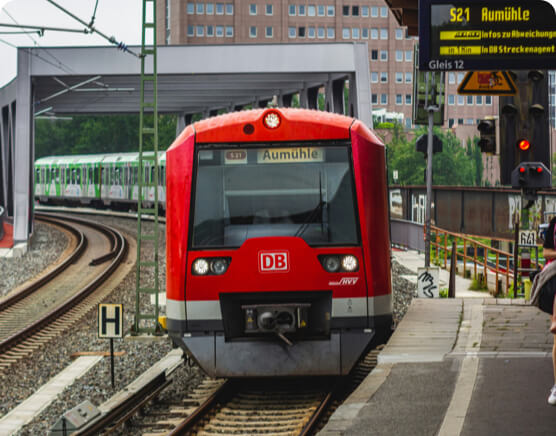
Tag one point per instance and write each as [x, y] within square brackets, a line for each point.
[278, 250]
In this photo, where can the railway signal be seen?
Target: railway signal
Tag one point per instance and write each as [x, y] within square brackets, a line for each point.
[488, 129]
[524, 124]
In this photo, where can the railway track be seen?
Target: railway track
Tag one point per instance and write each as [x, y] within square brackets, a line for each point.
[46, 308]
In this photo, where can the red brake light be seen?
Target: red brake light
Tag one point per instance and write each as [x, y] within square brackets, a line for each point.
[521, 169]
[524, 145]
[539, 169]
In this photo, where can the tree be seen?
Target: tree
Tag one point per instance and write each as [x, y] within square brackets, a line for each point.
[455, 165]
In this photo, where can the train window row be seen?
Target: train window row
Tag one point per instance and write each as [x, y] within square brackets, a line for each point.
[109, 176]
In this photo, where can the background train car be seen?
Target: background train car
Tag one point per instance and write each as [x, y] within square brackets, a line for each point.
[103, 179]
[278, 251]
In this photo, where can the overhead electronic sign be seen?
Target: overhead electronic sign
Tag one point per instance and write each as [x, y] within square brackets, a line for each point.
[484, 35]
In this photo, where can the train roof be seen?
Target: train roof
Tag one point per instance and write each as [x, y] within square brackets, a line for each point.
[96, 158]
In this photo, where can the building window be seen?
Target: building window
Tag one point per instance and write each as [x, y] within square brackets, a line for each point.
[383, 55]
[374, 77]
[355, 11]
[408, 123]
[320, 33]
[291, 10]
[383, 77]
[355, 32]
[383, 33]
[365, 33]
[383, 98]
[345, 33]
[301, 10]
[269, 32]
[364, 11]
[374, 55]
[460, 121]
[330, 11]
[374, 98]
[451, 99]
[451, 122]
[210, 31]
[399, 99]
[469, 99]
[461, 100]
[311, 11]
[451, 78]
[219, 31]
[200, 8]
[399, 56]
[252, 9]
[200, 30]
[291, 32]
[209, 8]
[229, 11]
[269, 10]
[190, 31]
[253, 32]
[408, 77]
[219, 8]
[374, 11]
[384, 12]
[190, 8]
[469, 121]
[408, 99]
[409, 55]
[399, 33]
[330, 32]
[374, 33]
[488, 100]
[311, 32]
[479, 100]
[460, 77]
[321, 11]
[229, 31]
[345, 11]
[399, 77]
[301, 31]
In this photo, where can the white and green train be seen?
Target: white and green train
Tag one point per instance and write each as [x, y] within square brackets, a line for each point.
[109, 180]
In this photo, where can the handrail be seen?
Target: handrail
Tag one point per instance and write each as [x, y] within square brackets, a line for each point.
[439, 246]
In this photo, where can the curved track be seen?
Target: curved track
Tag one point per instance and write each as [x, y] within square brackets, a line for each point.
[41, 311]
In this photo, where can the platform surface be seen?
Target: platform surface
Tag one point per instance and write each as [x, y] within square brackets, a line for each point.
[465, 366]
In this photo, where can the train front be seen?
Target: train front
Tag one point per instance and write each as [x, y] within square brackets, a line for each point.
[277, 243]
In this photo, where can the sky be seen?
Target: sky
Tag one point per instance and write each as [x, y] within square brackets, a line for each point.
[118, 18]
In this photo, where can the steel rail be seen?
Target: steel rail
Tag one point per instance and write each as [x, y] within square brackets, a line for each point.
[74, 256]
[50, 317]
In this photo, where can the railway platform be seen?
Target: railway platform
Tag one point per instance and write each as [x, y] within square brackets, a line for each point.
[464, 366]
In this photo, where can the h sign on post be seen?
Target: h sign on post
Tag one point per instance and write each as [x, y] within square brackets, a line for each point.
[110, 320]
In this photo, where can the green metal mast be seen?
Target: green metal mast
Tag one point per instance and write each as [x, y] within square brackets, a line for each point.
[148, 177]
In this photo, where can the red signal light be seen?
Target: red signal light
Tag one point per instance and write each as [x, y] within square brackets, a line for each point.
[521, 169]
[524, 145]
[539, 169]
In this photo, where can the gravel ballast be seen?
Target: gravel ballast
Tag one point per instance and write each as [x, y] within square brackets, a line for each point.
[24, 378]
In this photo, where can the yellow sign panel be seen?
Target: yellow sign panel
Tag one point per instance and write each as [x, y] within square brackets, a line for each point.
[290, 155]
[460, 35]
[487, 83]
[460, 50]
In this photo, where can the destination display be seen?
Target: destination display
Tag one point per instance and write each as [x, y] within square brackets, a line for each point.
[483, 35]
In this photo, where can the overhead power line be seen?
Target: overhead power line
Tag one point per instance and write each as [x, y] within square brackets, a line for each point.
[43, 28]
[111, 39]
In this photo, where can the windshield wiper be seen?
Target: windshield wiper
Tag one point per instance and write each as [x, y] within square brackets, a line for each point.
[305, 225]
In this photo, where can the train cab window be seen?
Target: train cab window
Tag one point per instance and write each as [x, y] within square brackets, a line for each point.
[301, 190]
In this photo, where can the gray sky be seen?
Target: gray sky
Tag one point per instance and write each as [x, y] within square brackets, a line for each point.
[118, 18]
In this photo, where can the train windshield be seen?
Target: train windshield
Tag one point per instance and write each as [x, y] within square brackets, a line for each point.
[304, 191]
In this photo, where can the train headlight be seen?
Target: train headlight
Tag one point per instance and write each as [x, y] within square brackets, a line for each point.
[271, 120]
[200, 267]
[219, 266]
[349, 263]
[331, 263]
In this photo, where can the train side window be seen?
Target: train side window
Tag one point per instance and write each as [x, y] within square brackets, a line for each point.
[103, 175]
[135, 172]
[37, 175]
[162, 176]
[77, 176]
[68, 175]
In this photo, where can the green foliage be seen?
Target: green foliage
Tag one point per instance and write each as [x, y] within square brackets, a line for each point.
[456, 165]
[477, 285]
[98, 134]
[385, 125]
[443, 293]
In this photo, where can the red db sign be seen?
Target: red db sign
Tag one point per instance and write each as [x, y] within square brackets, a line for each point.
[274, 261]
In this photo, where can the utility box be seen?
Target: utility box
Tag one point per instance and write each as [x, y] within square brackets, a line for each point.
[74, 419]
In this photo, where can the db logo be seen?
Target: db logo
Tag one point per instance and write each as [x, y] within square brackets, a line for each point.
[274, 261]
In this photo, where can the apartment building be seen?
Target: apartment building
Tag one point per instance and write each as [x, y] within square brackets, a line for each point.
[299, 21]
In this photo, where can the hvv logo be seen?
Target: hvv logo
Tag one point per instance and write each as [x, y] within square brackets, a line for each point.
[274, 261]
